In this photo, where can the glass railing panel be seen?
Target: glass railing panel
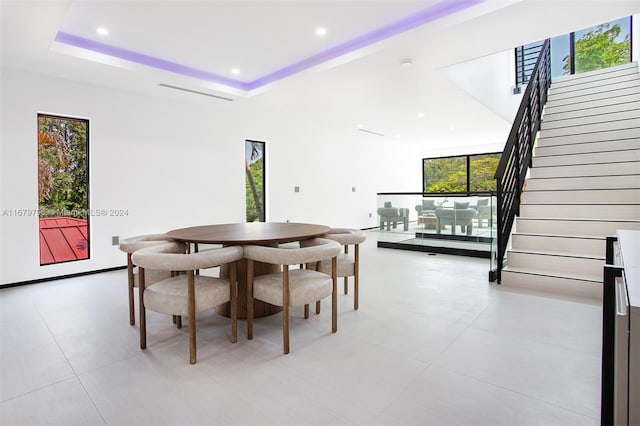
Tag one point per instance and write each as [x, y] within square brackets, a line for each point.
[454, 223]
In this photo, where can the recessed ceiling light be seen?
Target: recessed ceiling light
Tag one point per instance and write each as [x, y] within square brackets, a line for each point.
[421, 115]
[102, 31]
[321, 31]
[360, 125]
[406, 63]
[235, 71]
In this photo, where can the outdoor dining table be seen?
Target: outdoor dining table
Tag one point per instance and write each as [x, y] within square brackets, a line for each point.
[254, 233]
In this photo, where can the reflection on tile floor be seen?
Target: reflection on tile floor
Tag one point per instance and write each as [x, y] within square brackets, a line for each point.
[432, 343]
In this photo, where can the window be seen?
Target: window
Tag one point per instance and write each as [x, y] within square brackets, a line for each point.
[63, 188]
[254, 187]
[445, 175]
[460, 174]
[482, 169]
[602, 46]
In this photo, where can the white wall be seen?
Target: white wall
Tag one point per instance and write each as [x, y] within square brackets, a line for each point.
[173, 164]
[490, 80]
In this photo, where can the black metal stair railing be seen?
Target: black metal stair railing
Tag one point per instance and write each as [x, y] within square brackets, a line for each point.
[526, 57]
[516, 157]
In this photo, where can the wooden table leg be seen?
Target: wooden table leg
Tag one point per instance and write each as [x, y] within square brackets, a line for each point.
[260, 308]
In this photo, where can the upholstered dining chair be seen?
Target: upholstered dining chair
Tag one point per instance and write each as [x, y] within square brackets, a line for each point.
[187, 294]
[292, 287]
[129, 246]
[348, 264]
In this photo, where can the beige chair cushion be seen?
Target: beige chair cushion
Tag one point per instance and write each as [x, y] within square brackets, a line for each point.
[131, 244]
[346, 236]
[170, 296]
[346, 266]
[151, 276]
[316, 286]
[165, 257]
[314, 250]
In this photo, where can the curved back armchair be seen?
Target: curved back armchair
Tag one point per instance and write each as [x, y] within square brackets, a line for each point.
[296, 287]
[129, 246]
[348, 263]
[187, 294]
[390, 216]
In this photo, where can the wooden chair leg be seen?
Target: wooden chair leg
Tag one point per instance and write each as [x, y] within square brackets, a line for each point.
[356, 291]
[356, 277]
[346, 281]
[306, 311]
[143, 318]
[132, 309]
[334, 296]
[249, 299]
[192, 317]
[175, 320]
[233, 282]
[285, 308]
[317, 306]
[178, 321]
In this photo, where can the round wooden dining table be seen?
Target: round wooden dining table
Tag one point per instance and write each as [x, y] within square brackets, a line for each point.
[254, 233]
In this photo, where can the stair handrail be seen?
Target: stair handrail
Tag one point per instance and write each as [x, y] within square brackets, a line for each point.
[518, 152]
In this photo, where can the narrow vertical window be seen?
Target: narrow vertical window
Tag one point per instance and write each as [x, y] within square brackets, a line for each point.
[255, 177]
[63, 188]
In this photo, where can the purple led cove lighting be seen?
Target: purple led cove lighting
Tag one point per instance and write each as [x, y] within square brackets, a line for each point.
[147, 60]
[421, 17]
[439, 10]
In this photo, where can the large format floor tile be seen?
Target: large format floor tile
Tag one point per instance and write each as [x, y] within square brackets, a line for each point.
[432, 343]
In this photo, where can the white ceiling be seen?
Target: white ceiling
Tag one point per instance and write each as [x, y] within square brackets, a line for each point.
[366, 86]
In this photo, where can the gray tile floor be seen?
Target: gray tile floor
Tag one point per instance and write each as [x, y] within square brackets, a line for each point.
[433, 343]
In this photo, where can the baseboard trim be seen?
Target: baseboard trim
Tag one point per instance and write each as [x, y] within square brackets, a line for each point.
[61, 277]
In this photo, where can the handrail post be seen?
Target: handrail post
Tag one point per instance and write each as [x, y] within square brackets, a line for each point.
[516, 156]
[499, 224]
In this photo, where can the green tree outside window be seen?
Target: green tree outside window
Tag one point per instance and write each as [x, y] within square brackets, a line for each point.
[599, 48]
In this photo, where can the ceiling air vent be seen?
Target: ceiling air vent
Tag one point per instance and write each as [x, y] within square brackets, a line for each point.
[184, 89]
[371, 132]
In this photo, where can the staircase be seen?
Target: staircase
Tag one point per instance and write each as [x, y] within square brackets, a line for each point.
[583, 186]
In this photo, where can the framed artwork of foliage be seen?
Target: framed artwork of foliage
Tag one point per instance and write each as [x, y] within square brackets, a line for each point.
[254, 162]
[63, 188]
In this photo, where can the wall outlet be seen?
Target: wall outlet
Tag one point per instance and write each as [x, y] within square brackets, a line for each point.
[296, 189]
[115, 240]
[353, 189]
[370, 215]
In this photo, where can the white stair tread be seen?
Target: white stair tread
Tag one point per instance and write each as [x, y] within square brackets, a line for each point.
[565, 275]
[581, 205]
[578, 237]
[579, 219]
[556, 253]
